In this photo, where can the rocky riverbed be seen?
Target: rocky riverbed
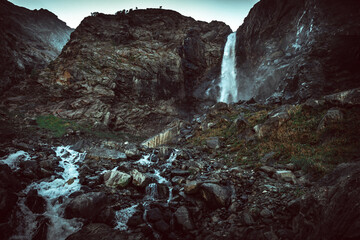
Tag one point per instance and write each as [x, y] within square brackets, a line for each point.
[112, 189]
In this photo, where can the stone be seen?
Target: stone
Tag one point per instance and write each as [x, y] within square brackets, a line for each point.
[87, 205]
[131, 151]
[139, 179]
[116, 179]
[333, 115]
[286, 176]
[267, 169]
[178, 180]
[213, 143]
[105, 153]
[215, 195]
[184, 219]
[192, 187]
[34, 202]
[348, 97]
[162, 226]
[265, 213]
[247, 218]
[178, 172]
[154, 215]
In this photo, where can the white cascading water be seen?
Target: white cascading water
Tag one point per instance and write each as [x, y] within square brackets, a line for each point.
[54, 192]
[228, 85]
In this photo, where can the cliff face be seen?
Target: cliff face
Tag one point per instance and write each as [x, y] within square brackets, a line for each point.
[134, 71]
[29, 41]
[293, 50]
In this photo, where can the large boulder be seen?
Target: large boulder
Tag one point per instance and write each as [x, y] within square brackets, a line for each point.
[332, 211]
[215, 195]
[116, 179]
[87, 206]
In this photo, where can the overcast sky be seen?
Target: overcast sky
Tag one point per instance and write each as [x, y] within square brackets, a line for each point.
[232, 12]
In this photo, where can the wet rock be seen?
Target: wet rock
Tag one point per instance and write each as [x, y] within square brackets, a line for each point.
[162, 226]
[184, 219]
[286, 176]
[332, 116]
[178, 172]
[41, 230]
[213, 142]
[87, 205]
[139, 179]
[105, 153]
[131, 151]
[178, 180]
[154, 215]
[192, 187]
[215, 195]
[34, 202]
[116, 179]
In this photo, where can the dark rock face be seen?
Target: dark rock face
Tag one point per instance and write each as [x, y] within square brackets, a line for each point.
[29, 41]
[333, 212]
[294, 50]
[130, 71]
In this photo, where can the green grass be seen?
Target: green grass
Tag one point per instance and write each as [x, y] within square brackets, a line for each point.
[296, 140]
[58, 127]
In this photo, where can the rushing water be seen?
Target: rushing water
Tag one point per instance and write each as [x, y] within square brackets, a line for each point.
[152, 194]
[228, 85]
[54, 192]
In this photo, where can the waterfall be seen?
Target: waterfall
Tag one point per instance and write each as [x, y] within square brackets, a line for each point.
[228, 85]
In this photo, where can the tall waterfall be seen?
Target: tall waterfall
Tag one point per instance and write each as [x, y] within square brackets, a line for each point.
[228, 85]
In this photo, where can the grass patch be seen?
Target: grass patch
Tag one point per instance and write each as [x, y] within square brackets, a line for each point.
[296, 140]
[58, 128]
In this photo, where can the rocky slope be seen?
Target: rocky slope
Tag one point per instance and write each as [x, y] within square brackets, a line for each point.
[29, 41]
[294, 50]
[240, 171]
[134, 71]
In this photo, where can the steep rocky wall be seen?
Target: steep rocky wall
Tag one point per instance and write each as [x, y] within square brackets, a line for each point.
[293, 50]
[29, 41]
[134, 71]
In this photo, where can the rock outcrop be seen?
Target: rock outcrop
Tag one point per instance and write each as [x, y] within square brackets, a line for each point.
[293, 50]
[134, 71]
[29, 41]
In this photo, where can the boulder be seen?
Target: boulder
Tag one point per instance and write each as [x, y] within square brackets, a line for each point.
[131, 151]
[105, 153]
[286, 176]
[192, 187]
[87, 206]
[34, 202]
[215, 195]
[349, 97]
[139, 179]
[184, 219]
[116, 179]
[213, 142]
[333, 115]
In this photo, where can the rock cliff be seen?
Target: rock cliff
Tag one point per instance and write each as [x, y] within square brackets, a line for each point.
[134, 71]
[29, 41]
[294, 50]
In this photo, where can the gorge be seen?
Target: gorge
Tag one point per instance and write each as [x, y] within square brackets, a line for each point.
[148, 124]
